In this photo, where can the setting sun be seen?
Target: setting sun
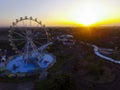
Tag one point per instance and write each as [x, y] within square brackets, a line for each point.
[86, 18]
[88, 14]
[63, 12]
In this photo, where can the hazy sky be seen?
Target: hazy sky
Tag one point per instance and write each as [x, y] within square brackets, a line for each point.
[55, 12]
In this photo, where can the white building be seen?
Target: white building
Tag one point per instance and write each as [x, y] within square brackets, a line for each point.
[66, 39]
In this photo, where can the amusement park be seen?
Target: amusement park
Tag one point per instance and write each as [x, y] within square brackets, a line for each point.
[34, 57]
[29, 42]
[59, 45]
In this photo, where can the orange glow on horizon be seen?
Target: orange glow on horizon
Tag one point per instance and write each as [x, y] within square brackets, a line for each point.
[94, 14]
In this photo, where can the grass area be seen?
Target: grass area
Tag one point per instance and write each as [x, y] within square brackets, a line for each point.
[90, 67]
[93, 68]
[116, 55]
[16, 79]
[98, 73]
[63, 81]
[60, 61]
[62, 57]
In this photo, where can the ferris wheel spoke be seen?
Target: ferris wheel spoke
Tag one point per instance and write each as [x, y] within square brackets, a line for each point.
[20, 29]
[37, 42]
[33, 46]
[19, 34]
[24, 26]
[30, 23]
[34, 33]
[21, 43]
[23, 23]
[17, 39]
[22, 32]
[24, 47]
[37, 34]
[39, 38]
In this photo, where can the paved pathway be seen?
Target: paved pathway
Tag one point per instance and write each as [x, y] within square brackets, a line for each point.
[103, 56]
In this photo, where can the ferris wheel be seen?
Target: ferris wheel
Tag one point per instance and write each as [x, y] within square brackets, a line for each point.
[26, 35]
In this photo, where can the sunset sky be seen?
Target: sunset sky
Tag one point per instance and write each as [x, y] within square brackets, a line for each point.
[62, 12]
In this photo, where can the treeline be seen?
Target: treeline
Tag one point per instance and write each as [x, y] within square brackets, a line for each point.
[102, 36]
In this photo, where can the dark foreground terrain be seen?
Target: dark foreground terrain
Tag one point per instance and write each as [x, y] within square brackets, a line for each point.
[76, 68]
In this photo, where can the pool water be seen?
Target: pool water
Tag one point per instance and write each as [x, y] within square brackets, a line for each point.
[17, 64]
